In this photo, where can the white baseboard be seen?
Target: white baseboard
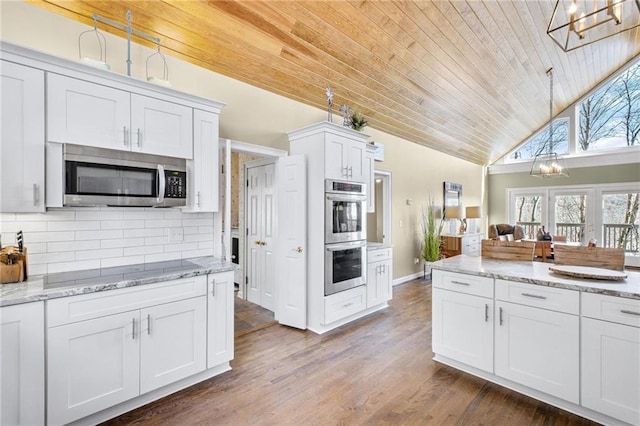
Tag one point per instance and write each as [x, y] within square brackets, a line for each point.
[414, 276]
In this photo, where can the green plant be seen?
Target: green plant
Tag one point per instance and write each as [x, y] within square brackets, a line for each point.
[357, 121]
[431, 232]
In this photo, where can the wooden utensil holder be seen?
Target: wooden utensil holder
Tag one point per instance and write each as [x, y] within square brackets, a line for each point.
[15, 272]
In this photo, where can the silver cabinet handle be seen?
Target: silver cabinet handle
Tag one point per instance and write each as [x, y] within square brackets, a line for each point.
[198, 199]
[351, 171]
[486, 312]
[535, 296]
[624, 311]
[36, 194]
[460, 283]
[139, 141]
[500, 316]
[213, 287]
[346, 305]
[346, 172]
[133, 328]
[125, 139]
[148, 324]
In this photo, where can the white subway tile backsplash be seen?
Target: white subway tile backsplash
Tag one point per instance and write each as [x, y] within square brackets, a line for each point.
[121, 261]
[98, 235]
[122, 242]
[99, 254]
[122, 224]
[53, 268]
[65, 239]
[73, 246]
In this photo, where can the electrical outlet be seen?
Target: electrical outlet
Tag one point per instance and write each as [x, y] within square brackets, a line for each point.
[174, 235]
[416, 260]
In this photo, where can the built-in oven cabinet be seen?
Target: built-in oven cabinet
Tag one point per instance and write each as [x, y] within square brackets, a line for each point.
[346, 303]
[87, 113]
[22, 140]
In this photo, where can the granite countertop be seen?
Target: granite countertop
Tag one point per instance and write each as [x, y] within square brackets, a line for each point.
[51, 286]
[538, 273]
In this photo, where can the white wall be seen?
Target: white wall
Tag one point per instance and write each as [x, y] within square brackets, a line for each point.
[259, 117]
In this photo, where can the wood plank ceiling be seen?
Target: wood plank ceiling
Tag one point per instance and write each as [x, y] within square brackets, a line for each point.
[463, 77]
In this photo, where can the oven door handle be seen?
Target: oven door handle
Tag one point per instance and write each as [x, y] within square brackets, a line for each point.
[345, 197]
[346, 246]
[161, 184]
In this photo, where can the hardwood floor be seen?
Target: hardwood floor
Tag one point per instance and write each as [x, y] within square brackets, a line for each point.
[249, 317]
[377, 370]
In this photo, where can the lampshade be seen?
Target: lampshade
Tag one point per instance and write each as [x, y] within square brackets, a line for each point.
[578, 23]
[453, 212]
[473, 212]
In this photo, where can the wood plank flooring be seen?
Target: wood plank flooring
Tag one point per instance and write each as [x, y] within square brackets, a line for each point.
[249, 317]
[378, 370]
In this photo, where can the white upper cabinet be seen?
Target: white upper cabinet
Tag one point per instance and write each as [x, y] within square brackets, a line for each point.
[161, 127]
[203, 191]
[22, 139]
[345, 159]
[86, 113]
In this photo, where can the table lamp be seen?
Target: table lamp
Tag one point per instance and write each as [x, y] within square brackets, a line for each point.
[473, 213]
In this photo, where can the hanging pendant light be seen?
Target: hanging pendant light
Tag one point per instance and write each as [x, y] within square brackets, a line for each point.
[547, 163]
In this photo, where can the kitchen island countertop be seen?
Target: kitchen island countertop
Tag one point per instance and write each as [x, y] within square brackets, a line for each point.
[64, 284]
[538, 273]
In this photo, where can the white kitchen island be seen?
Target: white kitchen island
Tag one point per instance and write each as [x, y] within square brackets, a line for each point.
[573, 343]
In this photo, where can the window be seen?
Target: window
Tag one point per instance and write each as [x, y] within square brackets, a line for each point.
[610, 117]
[620, 220]
[539, 143]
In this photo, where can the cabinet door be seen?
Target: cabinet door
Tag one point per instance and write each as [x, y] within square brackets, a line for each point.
[22, 364]
[357, 162]
[92, 365]
[336, 150]
[203, 192]
[86, 113]
[538, 348]
[172, 342]
[220, 319]
[21, 139]
[378, 283]
[463, 328]
[161, 127]
[611, 370]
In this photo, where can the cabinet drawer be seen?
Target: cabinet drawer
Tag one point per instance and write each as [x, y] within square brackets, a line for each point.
[611, 308]
[79, 308]
[378, 254]
[554, 299]
[463, 283]
[345, 303]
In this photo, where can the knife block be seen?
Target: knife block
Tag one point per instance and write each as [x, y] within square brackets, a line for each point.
[16, 272]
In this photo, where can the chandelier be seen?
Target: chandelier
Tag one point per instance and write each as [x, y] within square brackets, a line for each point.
[546, 163]
[577, 23]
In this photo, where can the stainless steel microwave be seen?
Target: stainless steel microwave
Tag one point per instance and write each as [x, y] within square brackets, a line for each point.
[106, 177]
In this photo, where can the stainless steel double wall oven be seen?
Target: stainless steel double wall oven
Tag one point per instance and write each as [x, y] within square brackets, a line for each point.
[345, 235]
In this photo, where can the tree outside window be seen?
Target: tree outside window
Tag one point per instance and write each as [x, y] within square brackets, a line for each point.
[620, 221]
[539, 144]
[610, 117]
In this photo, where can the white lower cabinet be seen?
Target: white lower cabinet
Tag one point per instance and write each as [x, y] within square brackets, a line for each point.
[611, 356]
[220, 290]
[463, 328]
[98, 362]
[345, 303]
[379, 276]
[92, 365]
[537, 337]
[22, 390]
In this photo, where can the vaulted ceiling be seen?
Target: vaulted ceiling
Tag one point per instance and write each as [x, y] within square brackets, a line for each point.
[463, 77]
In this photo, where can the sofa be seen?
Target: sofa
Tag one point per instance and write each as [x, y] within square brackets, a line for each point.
[503, 229]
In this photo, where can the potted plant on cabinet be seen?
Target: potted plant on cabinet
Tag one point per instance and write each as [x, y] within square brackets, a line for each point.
[431, 231]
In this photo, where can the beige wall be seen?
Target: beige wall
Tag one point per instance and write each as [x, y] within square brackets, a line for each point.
[256, 116]
[500, 183]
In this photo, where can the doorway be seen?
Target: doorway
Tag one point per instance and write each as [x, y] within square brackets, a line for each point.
[379, 221]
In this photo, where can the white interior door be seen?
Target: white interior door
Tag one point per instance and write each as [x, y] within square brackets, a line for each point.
[291, 260]
[261, 211]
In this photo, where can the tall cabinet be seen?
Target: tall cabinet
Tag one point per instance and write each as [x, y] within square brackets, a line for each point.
[332, 152]
[22, 140]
